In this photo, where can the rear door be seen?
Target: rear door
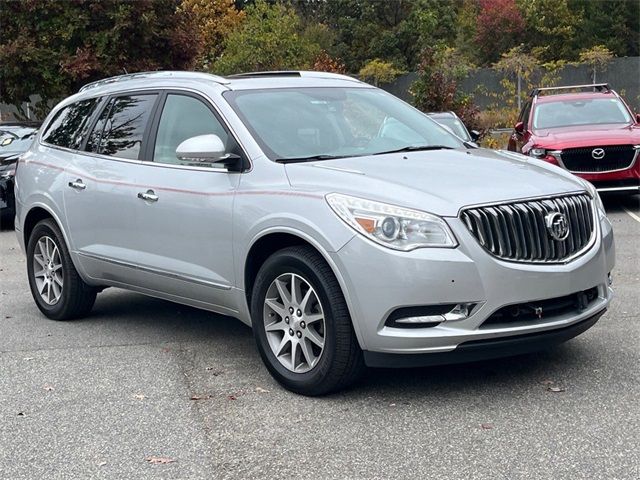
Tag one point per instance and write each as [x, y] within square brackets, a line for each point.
[100, 188]
[184, 213]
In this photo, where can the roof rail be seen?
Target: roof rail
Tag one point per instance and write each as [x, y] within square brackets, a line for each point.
[281, 73]
[294, 73]
[161, 73]
[597, 87]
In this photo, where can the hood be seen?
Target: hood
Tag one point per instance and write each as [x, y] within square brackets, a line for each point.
[587, 136]
[439, 182]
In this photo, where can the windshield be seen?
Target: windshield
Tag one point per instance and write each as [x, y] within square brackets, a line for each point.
[298, 123]
[15, 141]
[455, 125]
[580, 112]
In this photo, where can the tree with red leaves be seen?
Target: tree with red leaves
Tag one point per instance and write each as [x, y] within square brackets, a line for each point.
[500, 27]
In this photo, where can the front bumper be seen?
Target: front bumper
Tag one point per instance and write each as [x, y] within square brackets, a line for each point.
[377, 281]
[486, 349]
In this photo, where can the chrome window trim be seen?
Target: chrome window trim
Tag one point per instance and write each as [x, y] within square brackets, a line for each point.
[558, 156]
[579, 253]
[164, 273]
[151, 163]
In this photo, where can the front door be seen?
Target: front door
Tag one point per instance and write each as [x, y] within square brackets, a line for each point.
[184, 212]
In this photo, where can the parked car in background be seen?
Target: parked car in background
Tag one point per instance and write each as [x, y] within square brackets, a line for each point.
[590, 131]
[15, 139]
[338, 221]
[455, 124]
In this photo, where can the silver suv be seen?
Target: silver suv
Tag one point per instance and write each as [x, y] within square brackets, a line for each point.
[345, 226]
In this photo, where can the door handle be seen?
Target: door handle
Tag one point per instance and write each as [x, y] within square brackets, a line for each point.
[148, 196]
[77, 185]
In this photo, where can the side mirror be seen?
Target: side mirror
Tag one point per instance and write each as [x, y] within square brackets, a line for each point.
[519, 128]
[475, 135]
[638, 117]
[206, 149]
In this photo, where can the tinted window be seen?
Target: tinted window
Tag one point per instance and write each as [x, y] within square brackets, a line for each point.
[125, 125]
[70, 125]
[184, 117]
[93, 144]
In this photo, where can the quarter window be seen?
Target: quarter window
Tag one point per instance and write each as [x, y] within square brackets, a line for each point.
[184, 117]
[122, 126]
[70, 125]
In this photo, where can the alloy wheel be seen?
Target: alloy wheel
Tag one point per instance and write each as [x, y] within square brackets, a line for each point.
[294, 322]
[47, 270]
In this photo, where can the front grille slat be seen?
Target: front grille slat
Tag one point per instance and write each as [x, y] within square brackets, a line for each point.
[517, 231]
[616, 157]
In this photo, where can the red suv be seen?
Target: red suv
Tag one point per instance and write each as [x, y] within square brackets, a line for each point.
[591, 133]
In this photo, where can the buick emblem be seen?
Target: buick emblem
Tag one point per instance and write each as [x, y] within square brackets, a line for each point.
[597, 153]
[557, 226]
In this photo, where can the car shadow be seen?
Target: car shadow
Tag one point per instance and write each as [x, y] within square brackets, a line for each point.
[617, 202]
[165, 321]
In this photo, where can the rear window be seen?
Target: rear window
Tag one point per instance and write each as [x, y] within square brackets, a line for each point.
[120, 129]
[69, 127]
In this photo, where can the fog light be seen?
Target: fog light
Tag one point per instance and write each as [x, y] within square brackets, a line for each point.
[429, 316]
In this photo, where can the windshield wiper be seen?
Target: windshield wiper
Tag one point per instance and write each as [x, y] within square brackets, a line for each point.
[308, 159]
[416, 148]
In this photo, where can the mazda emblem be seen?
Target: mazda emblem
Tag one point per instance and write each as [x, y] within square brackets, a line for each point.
[557, 226]
[597, 153]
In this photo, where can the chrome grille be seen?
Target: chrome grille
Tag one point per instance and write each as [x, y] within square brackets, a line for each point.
[518, 231]
[616, 157]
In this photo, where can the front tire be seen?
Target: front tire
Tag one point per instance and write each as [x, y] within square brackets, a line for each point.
[302, 325]
[57, 289]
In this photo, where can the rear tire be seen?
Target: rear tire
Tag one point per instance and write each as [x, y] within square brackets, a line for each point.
[327, 356]
[57, 289]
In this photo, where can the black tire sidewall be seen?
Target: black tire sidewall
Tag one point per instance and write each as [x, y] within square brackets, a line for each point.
[279, 263]
[49, 229]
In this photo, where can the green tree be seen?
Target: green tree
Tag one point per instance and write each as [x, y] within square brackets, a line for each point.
[393, 31]
[378, 71]
[517, 65]
[613, 24]
[597, 58]
[550, 27]
[215, 20]
[52, 48]
[270, 38]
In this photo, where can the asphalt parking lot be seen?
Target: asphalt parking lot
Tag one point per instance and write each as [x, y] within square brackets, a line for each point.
[142, 382]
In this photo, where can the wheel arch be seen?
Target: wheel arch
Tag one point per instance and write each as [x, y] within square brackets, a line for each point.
[36, 214]
[274, 240]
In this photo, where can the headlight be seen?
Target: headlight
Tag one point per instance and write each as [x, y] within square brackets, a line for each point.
[537, 152]
[394, 227]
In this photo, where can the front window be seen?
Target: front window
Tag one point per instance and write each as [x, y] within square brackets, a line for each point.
[298, 123]
[184, 117]
[591, 111]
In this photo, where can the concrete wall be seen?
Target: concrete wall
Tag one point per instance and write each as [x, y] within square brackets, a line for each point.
[623, 74]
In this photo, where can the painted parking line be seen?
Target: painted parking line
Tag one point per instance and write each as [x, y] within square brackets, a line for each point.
[633, 215]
